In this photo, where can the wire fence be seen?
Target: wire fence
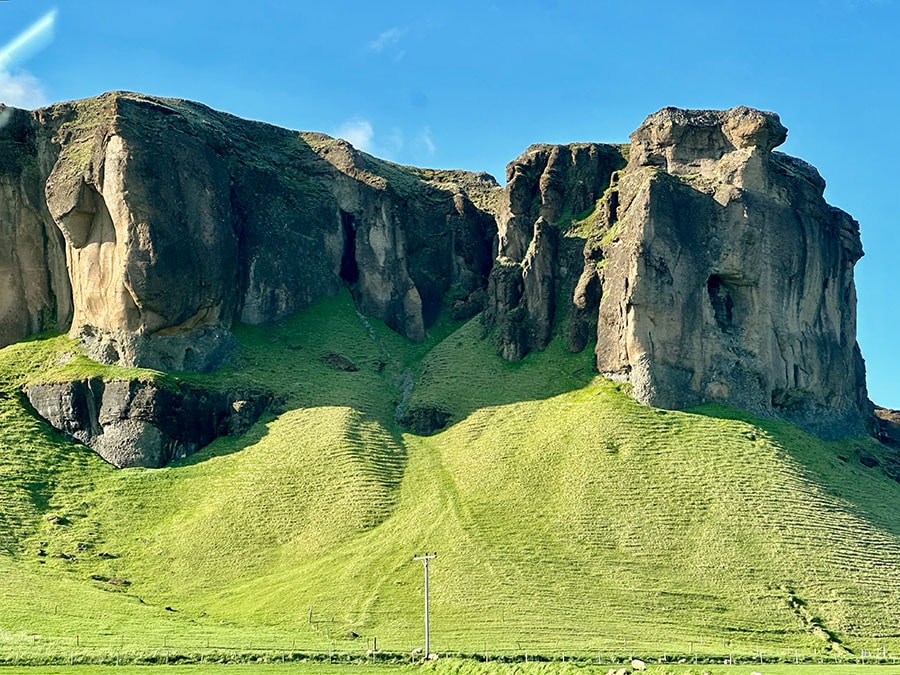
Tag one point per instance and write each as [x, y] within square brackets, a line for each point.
[120, 650]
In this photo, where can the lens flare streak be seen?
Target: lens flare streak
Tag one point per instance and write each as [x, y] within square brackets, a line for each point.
[29, 41]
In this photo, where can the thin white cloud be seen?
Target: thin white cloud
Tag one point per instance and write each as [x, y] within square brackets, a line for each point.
[21, 89]
[393, 145]
[359, 133]
[387, 39]
[427, 142]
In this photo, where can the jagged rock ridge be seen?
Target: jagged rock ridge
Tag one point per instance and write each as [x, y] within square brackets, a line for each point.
[546, 187]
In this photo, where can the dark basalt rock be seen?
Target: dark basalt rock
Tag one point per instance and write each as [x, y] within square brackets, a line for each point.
[339, 362]
[131, 423]
[539, 259]
[425, 420]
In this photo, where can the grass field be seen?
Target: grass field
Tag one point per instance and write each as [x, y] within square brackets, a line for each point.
[459, 667]
[566, 517]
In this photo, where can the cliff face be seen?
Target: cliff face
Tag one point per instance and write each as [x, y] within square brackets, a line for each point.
[34, 286]
[538, 259]
[707, 266]
[717, 273]
[179, 221]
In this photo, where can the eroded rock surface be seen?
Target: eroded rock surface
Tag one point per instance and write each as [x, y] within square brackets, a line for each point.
[179, 220]
[703, 265]
[34, 286]
[887, 426]
[714, 267]
[131, 423]
[539, 257]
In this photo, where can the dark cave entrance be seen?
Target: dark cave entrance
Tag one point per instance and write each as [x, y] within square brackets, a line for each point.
[721, 296]
[349, 268]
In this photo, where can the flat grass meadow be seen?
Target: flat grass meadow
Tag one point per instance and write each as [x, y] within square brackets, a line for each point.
[456, 667]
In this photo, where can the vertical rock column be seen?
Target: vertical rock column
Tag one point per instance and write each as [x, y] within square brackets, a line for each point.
[540, 254]
[729, 278]
[34, 288]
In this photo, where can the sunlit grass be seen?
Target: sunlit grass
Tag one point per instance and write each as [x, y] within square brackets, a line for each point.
[566, 517]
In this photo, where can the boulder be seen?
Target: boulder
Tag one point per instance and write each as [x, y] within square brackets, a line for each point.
[426, 419]
[131, 423]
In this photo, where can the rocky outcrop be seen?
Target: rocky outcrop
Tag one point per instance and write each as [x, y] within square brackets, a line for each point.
[715, 269]
[179, 221]
[887, 426]
[540, 245]
[706, 265]
[425, 420]
[131, 423]
[34, 285]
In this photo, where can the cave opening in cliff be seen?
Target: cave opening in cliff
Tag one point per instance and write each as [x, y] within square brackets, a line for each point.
[349, 267]
[721, 296]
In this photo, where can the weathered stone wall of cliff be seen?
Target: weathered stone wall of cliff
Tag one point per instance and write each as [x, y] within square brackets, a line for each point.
[34, 286]
[179, 220]
[715, 269]
[707, 266]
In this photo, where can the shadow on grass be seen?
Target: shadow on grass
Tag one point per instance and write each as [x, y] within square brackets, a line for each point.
[228, 445]
[464, 374]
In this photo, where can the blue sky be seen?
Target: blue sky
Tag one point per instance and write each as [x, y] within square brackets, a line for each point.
[470, 84]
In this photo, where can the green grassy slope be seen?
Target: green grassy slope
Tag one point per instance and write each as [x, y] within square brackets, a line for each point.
[565, 516]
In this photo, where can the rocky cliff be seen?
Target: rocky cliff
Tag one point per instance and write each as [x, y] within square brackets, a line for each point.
[538, 259]
[712, 267]
[701, 264]
[34, 285]
[178, 221]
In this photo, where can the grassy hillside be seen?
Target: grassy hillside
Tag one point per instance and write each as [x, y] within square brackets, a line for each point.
[566, 517]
